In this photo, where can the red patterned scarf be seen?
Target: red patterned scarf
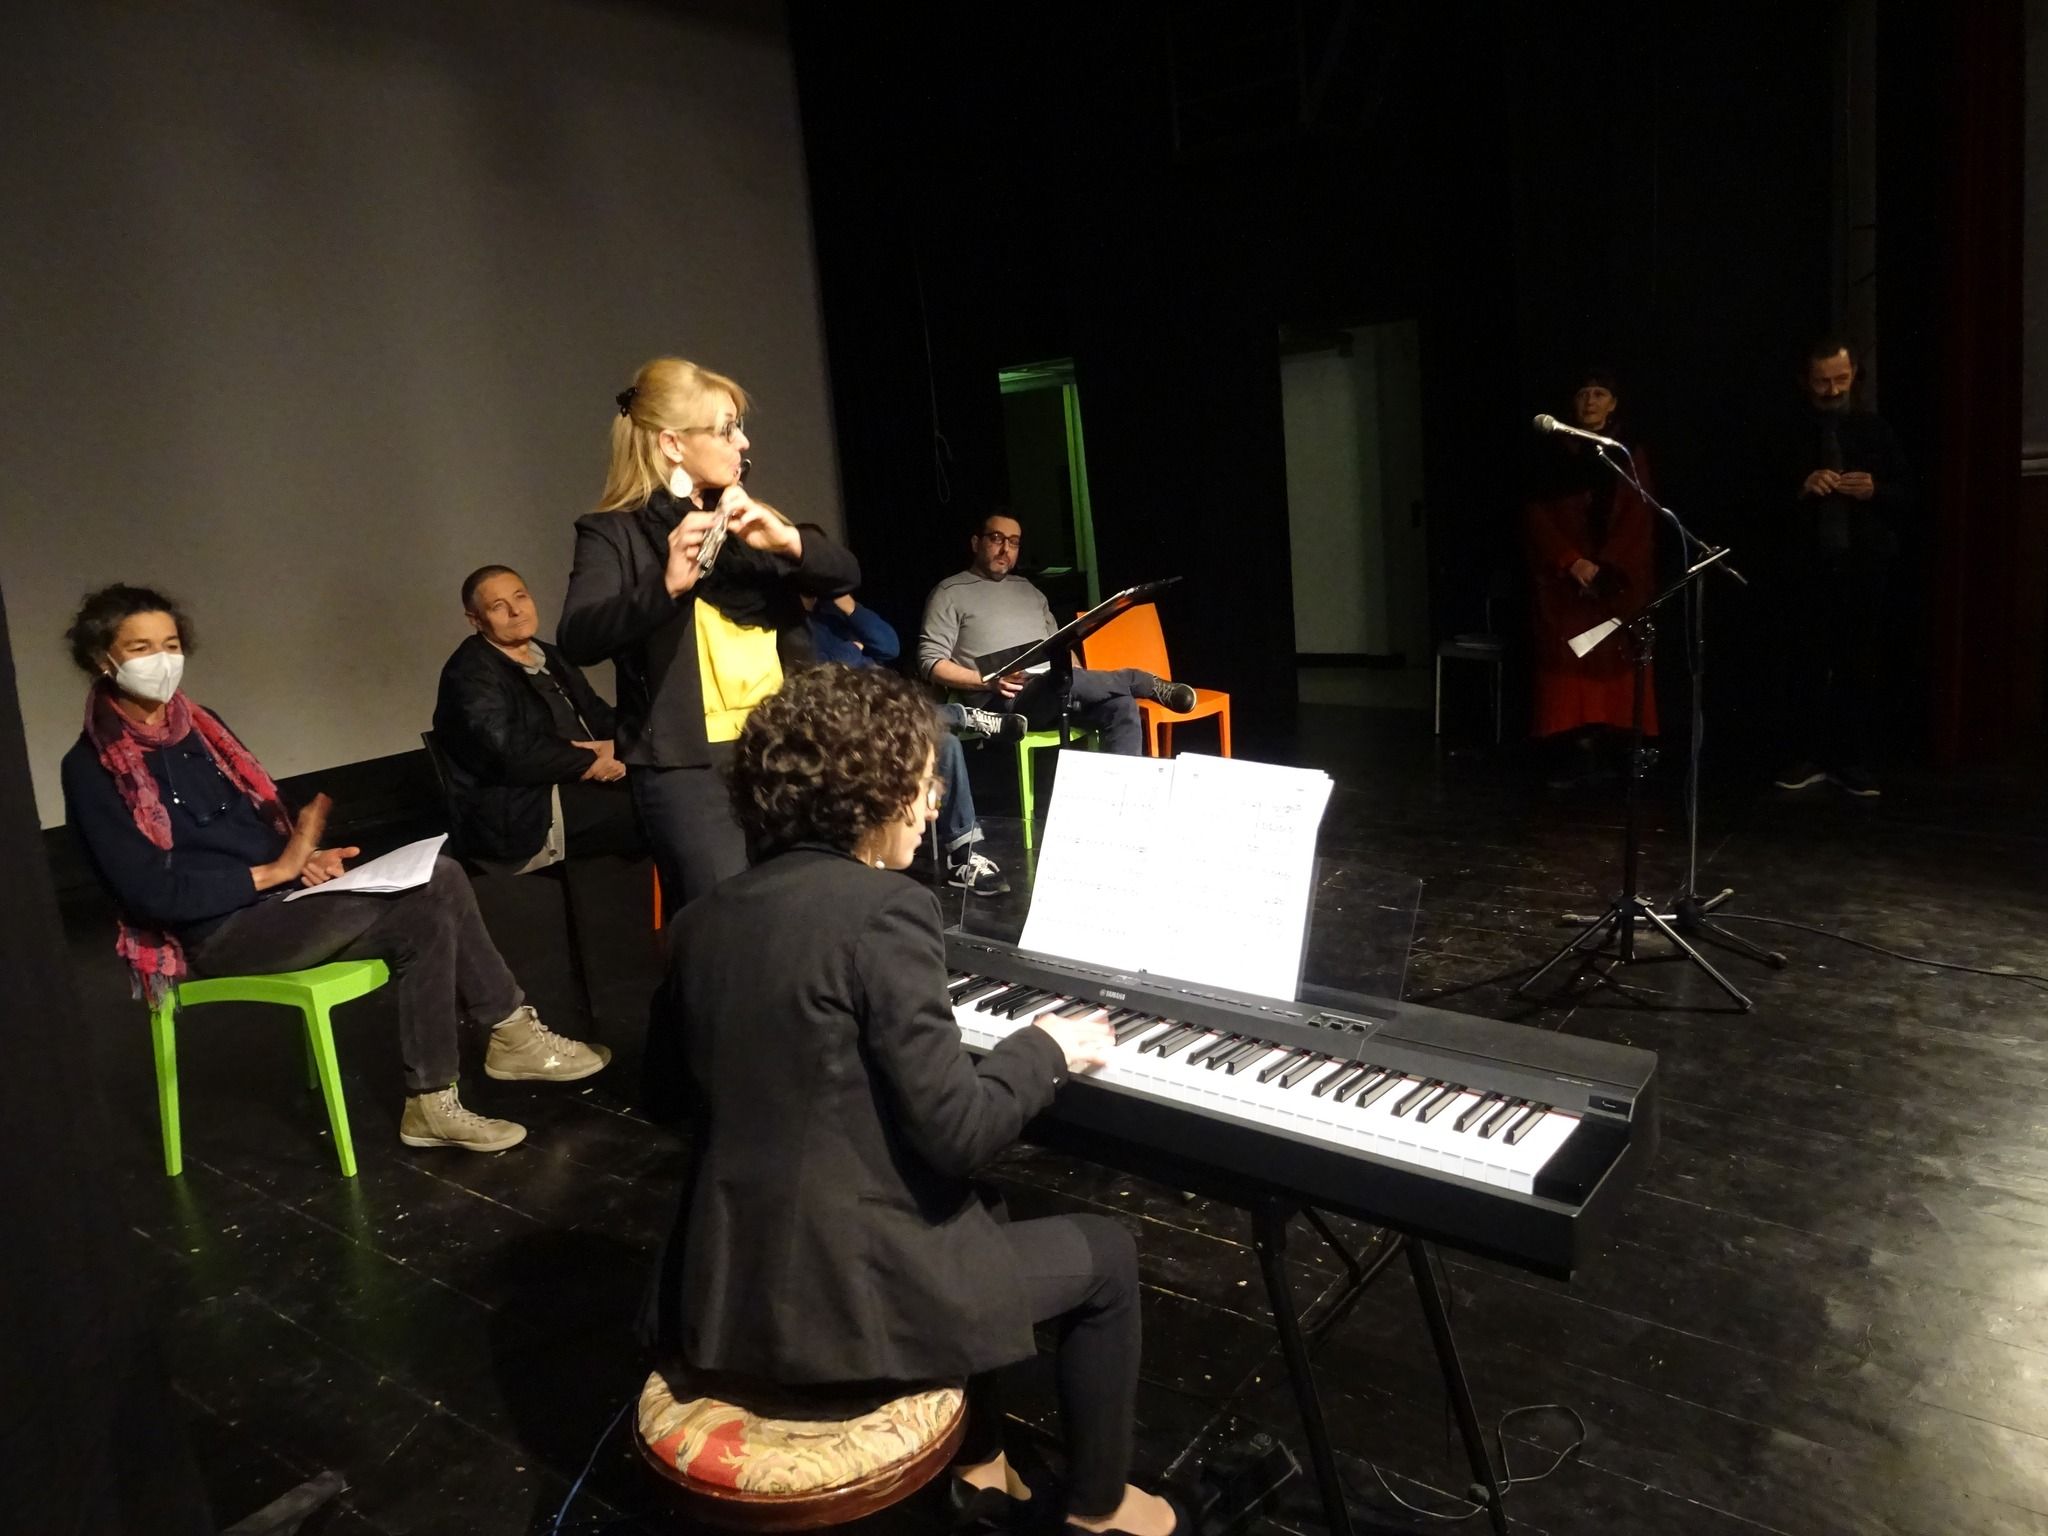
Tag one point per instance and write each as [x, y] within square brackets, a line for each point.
[156, 958]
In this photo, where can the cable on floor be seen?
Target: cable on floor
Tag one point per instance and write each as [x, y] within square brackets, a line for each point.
[2002, 973]
[555, 1525]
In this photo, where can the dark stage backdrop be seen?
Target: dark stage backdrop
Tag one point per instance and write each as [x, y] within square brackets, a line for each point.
[312, 308]
[1154, 190]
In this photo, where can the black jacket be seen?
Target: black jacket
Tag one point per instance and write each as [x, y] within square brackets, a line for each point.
[1832, 528]
[619, 610]
[830, 1233]
[502, 751]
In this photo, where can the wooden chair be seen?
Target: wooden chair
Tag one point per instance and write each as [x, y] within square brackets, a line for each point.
[1133, 639]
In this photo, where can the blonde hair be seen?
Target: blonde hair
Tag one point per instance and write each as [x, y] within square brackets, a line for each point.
[668, 394]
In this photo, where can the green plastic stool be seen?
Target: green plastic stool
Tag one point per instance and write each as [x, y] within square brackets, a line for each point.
[315, 993]
[1030, 742]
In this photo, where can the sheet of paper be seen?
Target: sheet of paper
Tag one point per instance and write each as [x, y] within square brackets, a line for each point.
[1587, 639]
[1095, 896]
[1235, 873]
[399, 870]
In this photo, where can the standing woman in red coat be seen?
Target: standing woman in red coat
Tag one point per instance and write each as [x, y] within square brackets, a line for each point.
[1592, 556]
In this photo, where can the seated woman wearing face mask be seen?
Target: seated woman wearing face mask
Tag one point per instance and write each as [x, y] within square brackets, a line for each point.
[188, 835]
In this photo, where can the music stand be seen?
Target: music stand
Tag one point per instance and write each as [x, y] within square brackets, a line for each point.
[1056, 650]
[1617, 925]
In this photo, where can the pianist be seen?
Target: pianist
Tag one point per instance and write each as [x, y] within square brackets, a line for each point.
[831, 1239]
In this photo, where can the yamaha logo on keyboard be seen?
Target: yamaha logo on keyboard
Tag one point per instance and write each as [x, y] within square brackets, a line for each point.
[1112, 992]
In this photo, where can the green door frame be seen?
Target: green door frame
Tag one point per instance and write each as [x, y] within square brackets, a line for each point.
[1059, 374]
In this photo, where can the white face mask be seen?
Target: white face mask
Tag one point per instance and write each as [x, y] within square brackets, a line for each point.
[154, 677]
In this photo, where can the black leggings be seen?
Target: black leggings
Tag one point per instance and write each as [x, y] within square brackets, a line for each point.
[1082, 1273]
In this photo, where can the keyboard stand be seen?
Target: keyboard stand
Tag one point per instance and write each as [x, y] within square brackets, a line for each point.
[1270, 1219]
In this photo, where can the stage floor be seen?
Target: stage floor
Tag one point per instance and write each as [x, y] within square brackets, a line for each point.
[1824, 1310]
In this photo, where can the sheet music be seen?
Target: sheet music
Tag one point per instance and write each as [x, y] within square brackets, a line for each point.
[1200, 868]
[399, 870]
[1587, 639]
[1238, 857]
[1095, 895]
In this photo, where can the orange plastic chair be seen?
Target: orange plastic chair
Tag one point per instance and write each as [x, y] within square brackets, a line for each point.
[1132, 639]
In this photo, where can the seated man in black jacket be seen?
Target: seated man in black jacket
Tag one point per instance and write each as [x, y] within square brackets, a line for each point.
[519, 726]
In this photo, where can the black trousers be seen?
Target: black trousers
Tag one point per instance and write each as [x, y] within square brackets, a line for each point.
[1835, 645]
[1079, 1273]
[446, 966]
[687, 816]
[1106, 701]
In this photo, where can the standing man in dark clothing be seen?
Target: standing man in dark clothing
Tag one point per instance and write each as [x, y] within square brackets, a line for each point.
[522, 732]
[1849, 497]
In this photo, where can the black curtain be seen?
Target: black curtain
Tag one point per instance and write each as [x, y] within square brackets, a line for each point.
[91, 1439]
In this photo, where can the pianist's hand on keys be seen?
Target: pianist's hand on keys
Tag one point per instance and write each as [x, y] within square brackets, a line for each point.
[1086, 1040]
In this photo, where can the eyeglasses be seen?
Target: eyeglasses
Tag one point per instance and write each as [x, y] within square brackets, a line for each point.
[737, 427]
[934, 792]
[1003, 540]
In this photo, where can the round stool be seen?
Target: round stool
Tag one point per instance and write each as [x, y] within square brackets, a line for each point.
[730, 1466]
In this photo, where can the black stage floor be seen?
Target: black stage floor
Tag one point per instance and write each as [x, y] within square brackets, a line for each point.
[1824, 1310]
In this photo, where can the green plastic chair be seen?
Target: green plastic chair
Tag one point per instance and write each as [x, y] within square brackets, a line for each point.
[1032, 741]
[315, 993]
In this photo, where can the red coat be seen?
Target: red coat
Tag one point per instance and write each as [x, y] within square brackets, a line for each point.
[1558, 531]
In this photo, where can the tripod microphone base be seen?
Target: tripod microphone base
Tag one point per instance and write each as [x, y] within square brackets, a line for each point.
[1612, 935]
[1693, 919]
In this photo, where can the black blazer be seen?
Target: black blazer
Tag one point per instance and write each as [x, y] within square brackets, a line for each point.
[830, 1232]
[503, 754]
[618, 610]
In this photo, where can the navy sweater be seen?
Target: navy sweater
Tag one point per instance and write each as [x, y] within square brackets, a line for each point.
[217, 837]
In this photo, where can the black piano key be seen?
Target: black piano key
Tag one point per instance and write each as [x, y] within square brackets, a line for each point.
[1171, 1032]
[1172, 1046]
[1080, 1008]
[1135, 1026]
[1425, 1089]
[1244, 1060]
[1436, 1106]
[1220, 1043]
[1351, 1085]
[979, 988]
[1308, 1063]
[958, 984]
[1248, 1049]
[1526, 1124]
[1030, 1002]
[1379, 1090]
[1466, 1121]
[1126, 1015]
[1500, 1116]
[1281, 1065]
[990, 1002]
[1333, 1077]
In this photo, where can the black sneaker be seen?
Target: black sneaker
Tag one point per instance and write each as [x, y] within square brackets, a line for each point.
[1178, 697]
[994, 723]
[1801, 775]
[978, 875]
[1858, 782]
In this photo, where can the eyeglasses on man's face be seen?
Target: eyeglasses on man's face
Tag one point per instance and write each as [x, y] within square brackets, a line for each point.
[1003, 540]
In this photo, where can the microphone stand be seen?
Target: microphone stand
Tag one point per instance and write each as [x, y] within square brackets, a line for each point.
[1690, 912]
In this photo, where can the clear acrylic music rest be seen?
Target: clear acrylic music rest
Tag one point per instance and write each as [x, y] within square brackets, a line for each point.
[1361, 922]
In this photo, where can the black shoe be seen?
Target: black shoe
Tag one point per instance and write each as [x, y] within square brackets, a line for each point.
[978, 875]
[1178, 697]
[995, 724]
[1182, 1525]
[972, 1511]
[1801, 775]
[1858, 782]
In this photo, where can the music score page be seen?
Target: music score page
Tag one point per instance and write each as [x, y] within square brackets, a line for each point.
[1200, 868]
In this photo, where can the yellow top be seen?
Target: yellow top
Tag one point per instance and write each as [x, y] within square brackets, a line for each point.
[740, 667]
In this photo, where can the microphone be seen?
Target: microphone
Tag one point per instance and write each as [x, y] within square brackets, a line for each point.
[1549, 423]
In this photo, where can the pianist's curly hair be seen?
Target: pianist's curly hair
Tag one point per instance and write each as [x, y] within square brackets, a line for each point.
[838, 752]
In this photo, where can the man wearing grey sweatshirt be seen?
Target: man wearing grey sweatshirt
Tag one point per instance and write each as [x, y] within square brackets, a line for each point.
[987, 608]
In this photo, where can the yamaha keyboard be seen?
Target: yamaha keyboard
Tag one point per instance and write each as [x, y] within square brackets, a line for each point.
[1491, 1137]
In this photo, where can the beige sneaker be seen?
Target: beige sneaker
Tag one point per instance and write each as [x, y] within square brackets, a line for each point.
[525, 1050]
[439, 1120]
